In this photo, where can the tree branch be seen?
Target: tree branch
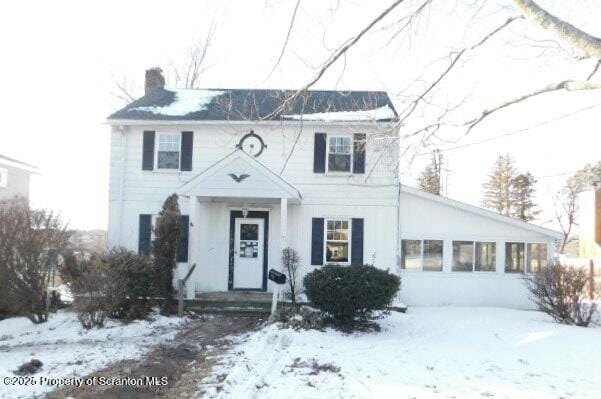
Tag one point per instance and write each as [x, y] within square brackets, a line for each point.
[568, 85]
[588, 44]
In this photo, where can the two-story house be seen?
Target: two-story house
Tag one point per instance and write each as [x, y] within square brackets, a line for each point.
[15, 177]
[256, 172]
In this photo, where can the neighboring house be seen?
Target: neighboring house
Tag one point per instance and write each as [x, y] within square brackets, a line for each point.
[320, 176]
[14, 177]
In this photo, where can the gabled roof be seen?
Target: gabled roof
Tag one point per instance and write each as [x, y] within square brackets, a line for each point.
[240, 175]
[4, 160]
[254, 105]
[482, 212]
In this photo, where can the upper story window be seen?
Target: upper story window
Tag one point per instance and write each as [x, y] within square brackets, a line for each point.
[3, 177]
[337, 241]
[340, 153]
[168, 151]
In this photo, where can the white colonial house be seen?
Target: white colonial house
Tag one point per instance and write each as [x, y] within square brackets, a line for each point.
[15, 177]
[319, 174]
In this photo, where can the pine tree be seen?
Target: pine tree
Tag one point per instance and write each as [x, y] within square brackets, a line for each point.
[522, 201]
[167, 232]
[429, 180]
[497, 190]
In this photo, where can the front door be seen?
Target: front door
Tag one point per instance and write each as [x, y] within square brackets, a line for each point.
[248, 253]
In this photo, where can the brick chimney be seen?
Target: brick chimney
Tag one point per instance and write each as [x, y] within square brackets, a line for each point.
[154, 80]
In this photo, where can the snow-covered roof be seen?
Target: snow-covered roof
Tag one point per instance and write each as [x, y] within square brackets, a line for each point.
[254, 105]
[482, 212]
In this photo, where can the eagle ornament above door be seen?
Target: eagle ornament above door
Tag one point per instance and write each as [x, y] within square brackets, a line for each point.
[252, 144]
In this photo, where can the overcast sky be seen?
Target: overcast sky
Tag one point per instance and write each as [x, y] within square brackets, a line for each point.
[60, 59]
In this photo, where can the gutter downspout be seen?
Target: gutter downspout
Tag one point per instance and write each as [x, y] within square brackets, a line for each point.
[122, 184]
[398, 228]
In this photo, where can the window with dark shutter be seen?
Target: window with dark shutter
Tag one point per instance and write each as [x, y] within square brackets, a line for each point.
[148, 150]
[317, 241]
[182, 251]
[357, 242]
[319, 153]
[144, 234]
[359, 146]
[187, 144]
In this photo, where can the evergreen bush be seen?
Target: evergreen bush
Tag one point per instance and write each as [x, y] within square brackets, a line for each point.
[348, 293]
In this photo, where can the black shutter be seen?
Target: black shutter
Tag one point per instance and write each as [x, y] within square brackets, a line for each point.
[317, 241]
[359, 145]
[187, 142]
[182, 250]
[144, 234]
[148, 150]
[357, 242]
[319, 153]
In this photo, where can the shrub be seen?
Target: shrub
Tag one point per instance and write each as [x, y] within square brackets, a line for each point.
[559, 291]
[132, 284]
[350, 292]
[120, 284]
[290, 262]
[167, 233]
[91, 298]
[303, 318]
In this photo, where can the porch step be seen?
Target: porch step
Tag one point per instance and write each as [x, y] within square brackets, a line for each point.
[241, 302]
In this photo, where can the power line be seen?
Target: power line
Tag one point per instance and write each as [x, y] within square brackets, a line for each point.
[522, 130]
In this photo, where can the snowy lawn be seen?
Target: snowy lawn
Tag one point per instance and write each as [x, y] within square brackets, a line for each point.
[68, 350]
[436, 352]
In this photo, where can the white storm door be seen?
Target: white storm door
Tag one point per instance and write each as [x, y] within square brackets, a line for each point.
[248, 253]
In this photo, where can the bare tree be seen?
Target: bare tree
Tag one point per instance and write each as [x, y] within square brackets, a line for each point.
[28, 240]
[184, 72]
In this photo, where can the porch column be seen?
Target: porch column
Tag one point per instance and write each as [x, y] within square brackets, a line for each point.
[193, 237]
[283, 223]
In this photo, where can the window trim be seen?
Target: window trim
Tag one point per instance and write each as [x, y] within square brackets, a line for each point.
[325, 239]
[421, 255]
[157, 150]
[338, 172]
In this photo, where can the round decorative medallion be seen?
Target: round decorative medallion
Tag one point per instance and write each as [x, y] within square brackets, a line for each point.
[252, 144]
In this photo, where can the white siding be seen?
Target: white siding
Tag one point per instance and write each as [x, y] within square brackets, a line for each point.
[421, 218]
[134, 192]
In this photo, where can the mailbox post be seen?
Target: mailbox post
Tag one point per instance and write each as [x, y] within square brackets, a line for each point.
[279, 279]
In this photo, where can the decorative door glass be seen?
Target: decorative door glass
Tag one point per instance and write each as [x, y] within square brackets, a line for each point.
[249, 240]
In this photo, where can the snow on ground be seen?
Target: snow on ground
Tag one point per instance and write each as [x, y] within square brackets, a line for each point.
[186, 101]
[381, 113]
[430, 352]
[68, 350]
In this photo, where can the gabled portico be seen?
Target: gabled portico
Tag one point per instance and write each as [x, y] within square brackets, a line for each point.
[231, 206]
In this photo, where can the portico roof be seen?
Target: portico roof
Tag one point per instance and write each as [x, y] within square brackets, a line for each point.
[239, 175]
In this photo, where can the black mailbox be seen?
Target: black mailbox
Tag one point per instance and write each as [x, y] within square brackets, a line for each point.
[277, 277]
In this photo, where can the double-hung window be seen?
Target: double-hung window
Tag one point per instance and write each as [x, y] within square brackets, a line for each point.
[168, 151]
[537, 257]
[337, 241]
[340, 153]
